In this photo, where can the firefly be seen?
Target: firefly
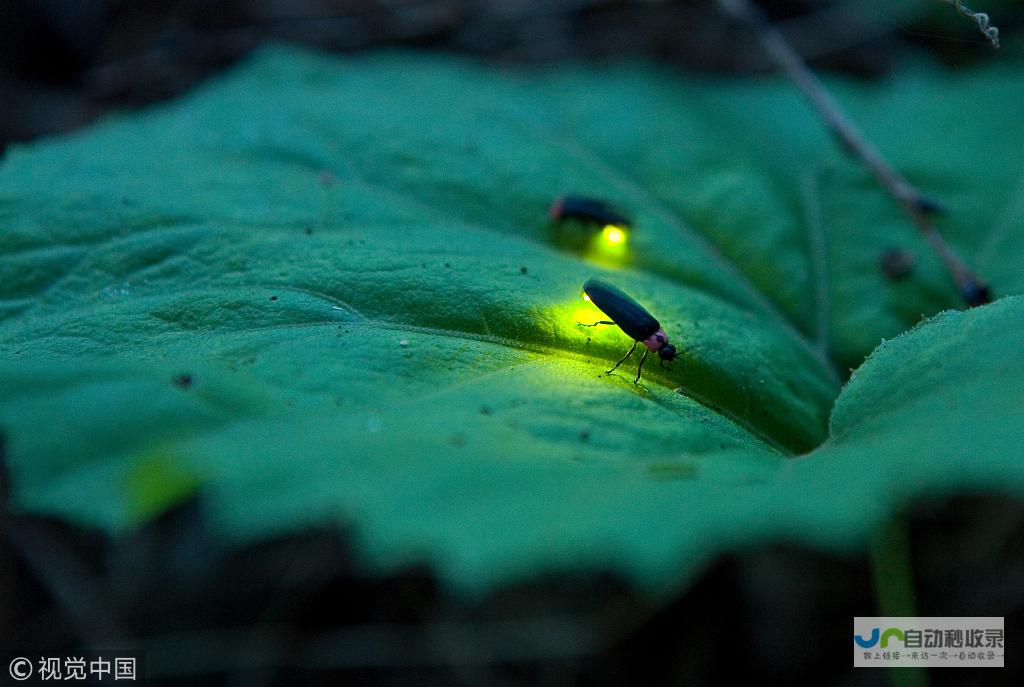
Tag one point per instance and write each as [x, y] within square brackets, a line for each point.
[591, 210]
[633, 319]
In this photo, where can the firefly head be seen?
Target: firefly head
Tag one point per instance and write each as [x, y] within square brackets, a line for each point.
[658, 342]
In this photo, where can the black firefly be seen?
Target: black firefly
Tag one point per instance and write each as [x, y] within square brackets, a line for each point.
[587, 210]
[633, 319]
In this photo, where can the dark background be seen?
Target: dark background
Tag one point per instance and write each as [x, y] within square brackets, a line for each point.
[64, 62]
[300, 610]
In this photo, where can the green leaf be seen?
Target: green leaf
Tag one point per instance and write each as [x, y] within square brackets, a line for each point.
[322, 289]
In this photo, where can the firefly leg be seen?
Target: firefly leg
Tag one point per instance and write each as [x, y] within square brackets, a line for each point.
[595, 324]
[623, 359]
[638, 370]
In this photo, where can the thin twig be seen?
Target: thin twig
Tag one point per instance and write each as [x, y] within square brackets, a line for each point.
[819, 258]
[980, 18]
[918, 207]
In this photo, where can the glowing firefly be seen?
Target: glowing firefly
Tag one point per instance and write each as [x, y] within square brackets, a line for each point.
[632, 318]
[592, 211]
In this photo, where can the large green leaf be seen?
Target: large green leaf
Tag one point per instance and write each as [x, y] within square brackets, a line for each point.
[327, 289]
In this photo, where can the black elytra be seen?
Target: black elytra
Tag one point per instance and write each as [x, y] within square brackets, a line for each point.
[588, 210]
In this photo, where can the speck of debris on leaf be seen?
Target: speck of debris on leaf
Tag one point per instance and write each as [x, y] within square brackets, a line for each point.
[404, 343]
[929, 206]
[485, 410]
[682, 471]
[273, 298]
[522, 270]
[447, 264]
[975, 292]
[896, 263]
[183, 381]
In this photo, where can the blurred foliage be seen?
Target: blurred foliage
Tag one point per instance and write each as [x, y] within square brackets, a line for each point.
[67, 61]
